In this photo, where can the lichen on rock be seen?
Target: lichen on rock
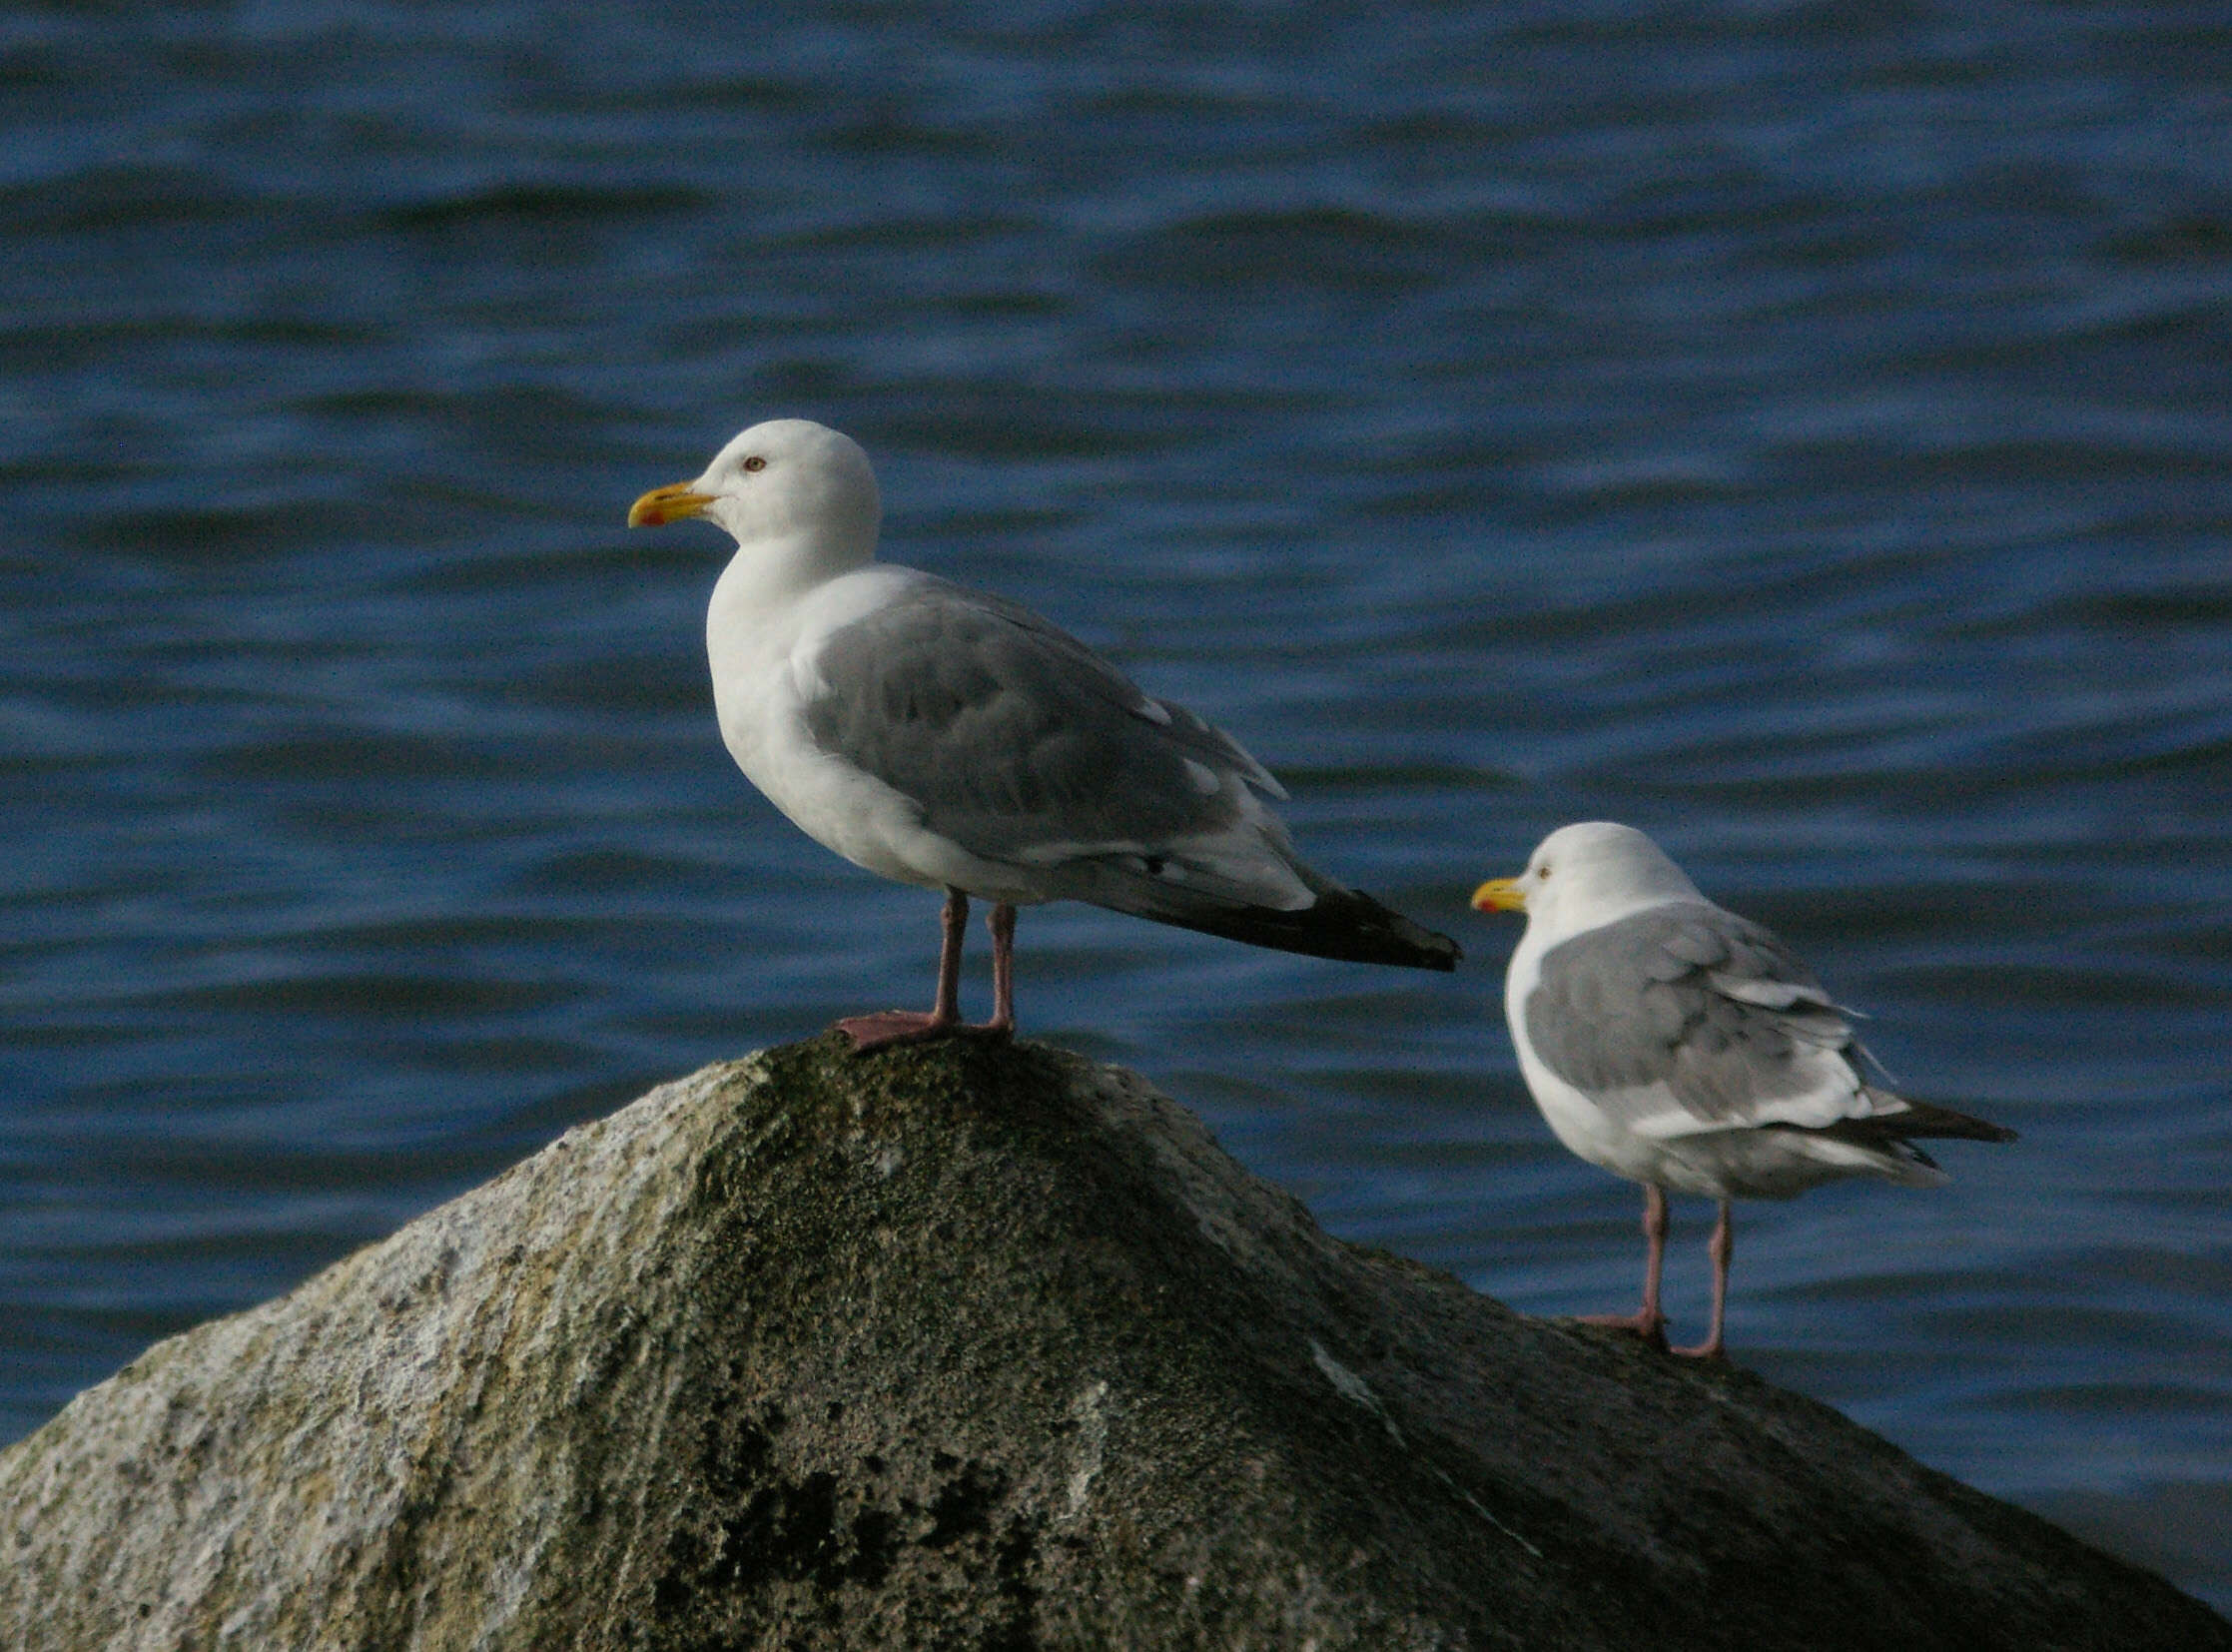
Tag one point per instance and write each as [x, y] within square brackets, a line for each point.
[983, 1346]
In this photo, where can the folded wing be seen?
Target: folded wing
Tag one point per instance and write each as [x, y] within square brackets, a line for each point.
[1686, 1017]
[1023, 747]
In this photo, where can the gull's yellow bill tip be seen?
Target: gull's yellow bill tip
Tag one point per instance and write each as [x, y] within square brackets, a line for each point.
[1500, 895]
[667, 504]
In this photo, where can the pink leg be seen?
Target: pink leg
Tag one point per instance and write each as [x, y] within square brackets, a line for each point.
[1002, 923]
[873, 1031]
[1647, 1322]
[1721, 1250]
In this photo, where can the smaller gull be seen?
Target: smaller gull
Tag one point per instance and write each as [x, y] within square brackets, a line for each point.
[1683, 1047]
[952, 739]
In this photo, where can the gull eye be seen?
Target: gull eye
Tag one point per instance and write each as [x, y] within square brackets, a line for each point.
[1543, 871]
[755, 463]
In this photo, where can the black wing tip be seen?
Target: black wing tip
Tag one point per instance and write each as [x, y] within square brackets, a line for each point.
[1365, 931]
[1961, 1128]
[1946, 1125]
[1443, 958]
[1928, 1120]
[1347, 927]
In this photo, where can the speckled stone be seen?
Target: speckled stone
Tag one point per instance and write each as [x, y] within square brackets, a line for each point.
[974, 1347]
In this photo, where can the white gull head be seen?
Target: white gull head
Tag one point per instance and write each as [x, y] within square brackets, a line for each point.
[800, 489]
[1588, 874]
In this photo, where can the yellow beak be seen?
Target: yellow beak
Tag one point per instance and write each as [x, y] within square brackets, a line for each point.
[1500, 895]
[667, 504]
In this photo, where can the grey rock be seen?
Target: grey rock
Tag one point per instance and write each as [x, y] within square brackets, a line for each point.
[983, 1348]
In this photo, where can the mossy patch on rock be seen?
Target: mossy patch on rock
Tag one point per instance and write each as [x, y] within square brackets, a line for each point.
[976, 1347]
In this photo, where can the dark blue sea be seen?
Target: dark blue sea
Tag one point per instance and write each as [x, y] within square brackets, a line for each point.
[1802, 431]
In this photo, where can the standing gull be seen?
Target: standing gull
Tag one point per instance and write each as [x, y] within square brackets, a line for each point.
[1683, 1047]
[951, 739]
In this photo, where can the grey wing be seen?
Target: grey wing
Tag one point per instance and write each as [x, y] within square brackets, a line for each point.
[1022, 745]
[1685, 1017]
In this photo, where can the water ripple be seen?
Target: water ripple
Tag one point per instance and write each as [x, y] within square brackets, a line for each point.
[1797, 430]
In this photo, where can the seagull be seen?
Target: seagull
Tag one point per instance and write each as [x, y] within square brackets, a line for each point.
[1678, 1045]
[955, 740]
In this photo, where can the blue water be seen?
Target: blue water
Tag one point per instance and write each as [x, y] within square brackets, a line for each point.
[1801, 430]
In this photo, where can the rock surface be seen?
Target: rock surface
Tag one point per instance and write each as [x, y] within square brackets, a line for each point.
[977, 1348]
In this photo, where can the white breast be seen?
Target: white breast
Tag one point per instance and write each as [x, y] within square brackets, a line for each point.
[762, 647]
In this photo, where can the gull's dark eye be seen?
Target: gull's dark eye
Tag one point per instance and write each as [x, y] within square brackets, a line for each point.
[1542, 871]
[755, 463]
